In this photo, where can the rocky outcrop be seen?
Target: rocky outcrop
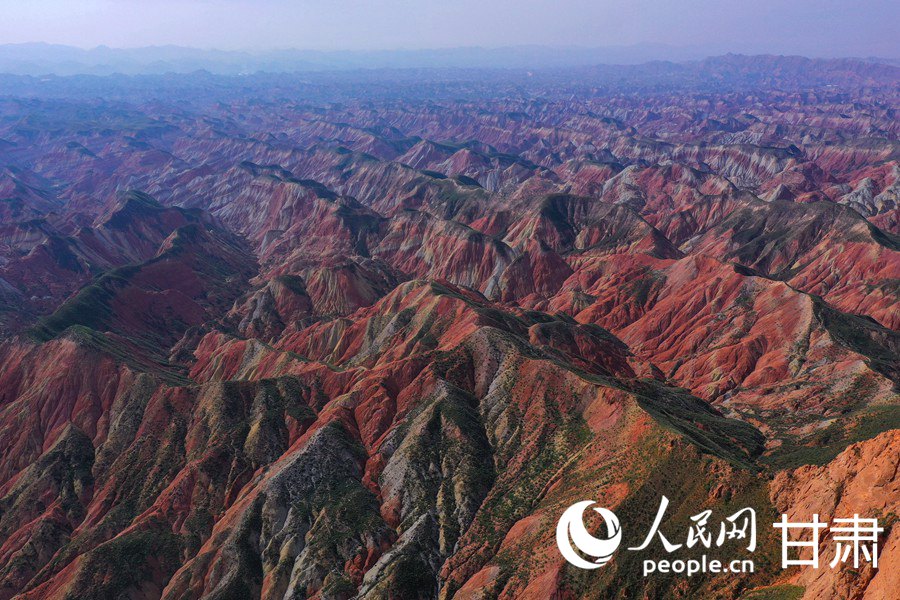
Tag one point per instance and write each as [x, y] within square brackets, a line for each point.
[863, 480]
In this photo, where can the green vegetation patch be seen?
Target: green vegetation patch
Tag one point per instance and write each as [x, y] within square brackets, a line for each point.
[824, 445]
[89, 308]
[863, 335]
[776, 592]
[735, 441]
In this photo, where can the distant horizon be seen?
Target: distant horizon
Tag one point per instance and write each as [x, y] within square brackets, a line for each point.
[329, 77]
[815, 28]
[42, 58]
[701, 51]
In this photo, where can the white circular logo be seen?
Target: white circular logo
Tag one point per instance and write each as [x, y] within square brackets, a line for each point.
[571, 524]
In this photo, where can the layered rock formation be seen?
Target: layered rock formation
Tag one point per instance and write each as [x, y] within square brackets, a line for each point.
[370, 342]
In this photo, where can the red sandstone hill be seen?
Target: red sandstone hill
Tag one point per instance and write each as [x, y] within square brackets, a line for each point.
[262, 340]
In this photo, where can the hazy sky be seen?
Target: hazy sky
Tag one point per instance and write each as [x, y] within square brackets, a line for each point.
[810, 27]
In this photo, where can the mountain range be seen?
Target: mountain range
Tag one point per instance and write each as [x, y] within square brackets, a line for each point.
[53, 59]
[367, 334]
